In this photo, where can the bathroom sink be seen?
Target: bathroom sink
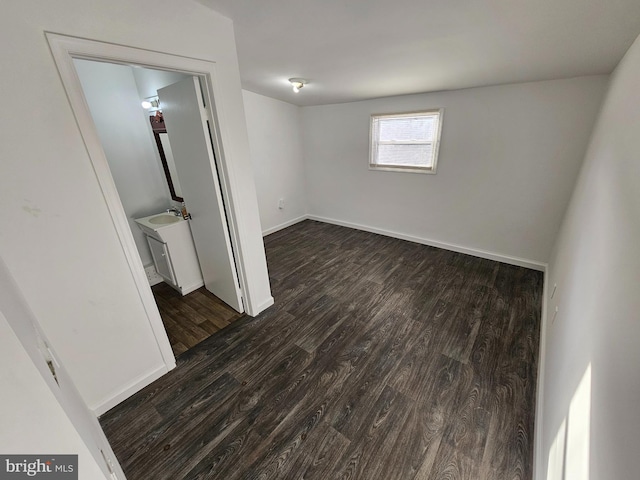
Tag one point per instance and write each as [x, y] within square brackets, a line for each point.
[155, 225]
[164, 219]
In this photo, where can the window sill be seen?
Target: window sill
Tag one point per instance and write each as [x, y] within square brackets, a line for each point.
[390, 168]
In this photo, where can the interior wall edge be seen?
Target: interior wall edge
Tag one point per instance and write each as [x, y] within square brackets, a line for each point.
[595, 266]
[538, 456]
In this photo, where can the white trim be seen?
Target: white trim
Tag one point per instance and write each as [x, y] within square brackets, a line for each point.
[216, 116]
[538, 453]
[284, 225]
[520, 262]
[135, 386]
[427, 170]
[186, 290]
[263, 306]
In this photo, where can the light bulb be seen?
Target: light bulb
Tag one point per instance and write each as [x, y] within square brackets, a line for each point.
[297, 83]
[150, 102]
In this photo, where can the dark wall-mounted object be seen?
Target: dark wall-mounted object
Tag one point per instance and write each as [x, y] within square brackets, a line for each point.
[158, 127]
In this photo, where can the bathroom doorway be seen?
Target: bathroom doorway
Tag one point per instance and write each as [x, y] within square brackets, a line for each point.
[228, 135]
[189, 260]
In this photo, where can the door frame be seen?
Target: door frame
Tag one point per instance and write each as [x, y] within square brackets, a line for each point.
[64, 50]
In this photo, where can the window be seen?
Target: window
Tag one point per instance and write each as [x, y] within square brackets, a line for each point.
[405, 142]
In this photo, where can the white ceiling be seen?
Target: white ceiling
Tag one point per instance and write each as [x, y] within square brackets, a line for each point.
[359, 49]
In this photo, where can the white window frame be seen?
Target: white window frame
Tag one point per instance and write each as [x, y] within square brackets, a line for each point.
[374, 142]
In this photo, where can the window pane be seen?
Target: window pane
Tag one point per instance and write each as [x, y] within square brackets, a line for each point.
[405, 155]
[407, 128]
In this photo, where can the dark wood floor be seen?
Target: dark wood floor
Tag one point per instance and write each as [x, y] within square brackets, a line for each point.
[192, 318]
[381, 359]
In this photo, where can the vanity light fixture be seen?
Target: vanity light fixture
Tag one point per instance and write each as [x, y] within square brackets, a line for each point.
[151, 102]
[297, 83]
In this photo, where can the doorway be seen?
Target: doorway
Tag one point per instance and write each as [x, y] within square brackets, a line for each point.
[229, 138]
[193, 255]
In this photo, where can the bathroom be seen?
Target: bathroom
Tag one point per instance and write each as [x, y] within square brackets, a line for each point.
[114, 94]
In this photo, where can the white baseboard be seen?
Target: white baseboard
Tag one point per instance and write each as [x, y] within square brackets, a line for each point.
[539, 469]
[262, 307]
[135, 386]
[520, 262]
[271, 230]
[190, 288]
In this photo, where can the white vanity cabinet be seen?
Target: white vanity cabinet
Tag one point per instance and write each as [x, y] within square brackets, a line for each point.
[174, 254]
[162, 260]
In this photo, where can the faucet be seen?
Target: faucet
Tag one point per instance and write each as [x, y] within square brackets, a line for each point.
[176, 211]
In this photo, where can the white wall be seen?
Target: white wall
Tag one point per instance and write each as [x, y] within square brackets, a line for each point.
[61, 246]
[275, 137]
[149, 81]
[124, 130]
[32, 420]
[596, 266]
[509, 157]
[40, 414]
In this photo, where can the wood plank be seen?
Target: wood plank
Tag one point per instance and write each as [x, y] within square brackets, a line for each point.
[191, 318]
[380, 359]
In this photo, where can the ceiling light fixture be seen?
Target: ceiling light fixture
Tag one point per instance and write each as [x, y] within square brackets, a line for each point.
[151, 102]
[297, 83]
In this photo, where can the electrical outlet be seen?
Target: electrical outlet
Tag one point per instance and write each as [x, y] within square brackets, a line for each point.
[281, 204]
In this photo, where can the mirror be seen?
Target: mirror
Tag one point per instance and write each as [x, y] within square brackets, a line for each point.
[166, 155]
